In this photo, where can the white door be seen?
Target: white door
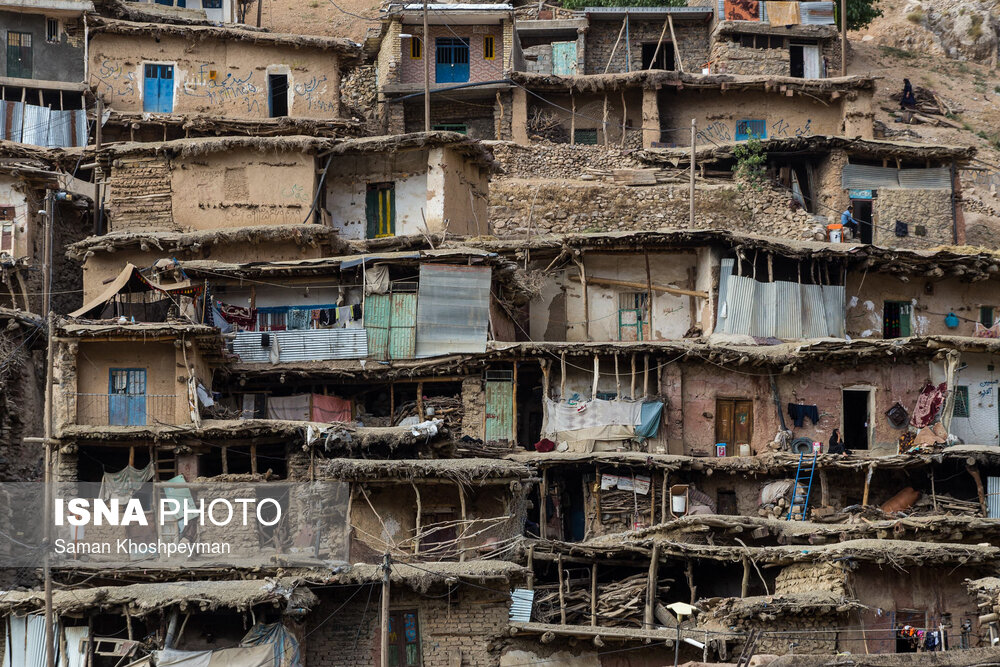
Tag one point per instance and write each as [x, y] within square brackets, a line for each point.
[811, 63]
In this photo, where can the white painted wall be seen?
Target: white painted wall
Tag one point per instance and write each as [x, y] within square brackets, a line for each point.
[982, 426]
[10, 196]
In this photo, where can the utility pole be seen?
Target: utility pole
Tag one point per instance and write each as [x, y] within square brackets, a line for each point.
[843, 37]
[426, 46]
[384, 658]
[694, 133]
[49, 399]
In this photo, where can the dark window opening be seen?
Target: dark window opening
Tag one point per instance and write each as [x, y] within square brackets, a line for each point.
[277, 95]
[727, 503]
[461, 128]
[664, 58]
[986, 316]
[585, 137]
[416, 48]
[856, 416]
[896, 319]
[760, 41]
[51, 30]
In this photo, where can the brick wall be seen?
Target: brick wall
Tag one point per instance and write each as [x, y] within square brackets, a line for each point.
[456, 630]
[412, 70]
[139, 195]
[602, 35]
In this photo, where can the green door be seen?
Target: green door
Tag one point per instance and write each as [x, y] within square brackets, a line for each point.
[391, 323]
[499, 411]
[19, 54]
[380, 209]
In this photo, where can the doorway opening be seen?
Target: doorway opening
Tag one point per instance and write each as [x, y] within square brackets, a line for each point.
[863, 214]
[856, 417]
[664, 59]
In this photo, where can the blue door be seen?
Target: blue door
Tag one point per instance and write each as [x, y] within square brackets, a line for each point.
[564, 58]
[158, 89]
[452, 60]
[127, 397]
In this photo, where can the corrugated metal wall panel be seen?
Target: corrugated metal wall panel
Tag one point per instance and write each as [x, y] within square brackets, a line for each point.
[403, 326]
[60, 126]
[499, 411]
[833, 303]
[813, 311]
[938, 178]
[788, 316]
[725, 271]
[80, 127]
[993, 499]
[764, 310]
[740, 304]
[36, 125]
[306, 345]
[521, 602]
[377, 324]
[868, 177]
[817, 13]
[452, 309]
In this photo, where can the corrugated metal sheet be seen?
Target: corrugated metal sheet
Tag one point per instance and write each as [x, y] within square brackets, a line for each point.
[725, 271]
[377, 309]
[993, 499]
[26, 647]
[817, 13]
[938, 178]
[833, 303]
[765, 308]
[403, 326]
[868, 177]
[306, 345]
[80, 127]
[60, 127]
[788, 320]
[452, 309]
[36, 125]
[740, 303]
[813, 311]
[499, 411]
[521, 601]
[10, 117]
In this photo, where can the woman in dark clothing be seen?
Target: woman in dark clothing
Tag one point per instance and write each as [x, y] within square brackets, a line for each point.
[836, 444]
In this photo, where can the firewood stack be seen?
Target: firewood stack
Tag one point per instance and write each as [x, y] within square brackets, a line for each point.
[619, 604]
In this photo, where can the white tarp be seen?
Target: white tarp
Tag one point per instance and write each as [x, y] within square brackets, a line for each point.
[588, 414]
[250, 656]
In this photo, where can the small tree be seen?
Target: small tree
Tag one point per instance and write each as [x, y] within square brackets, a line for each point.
[750, 164]
[860, 13]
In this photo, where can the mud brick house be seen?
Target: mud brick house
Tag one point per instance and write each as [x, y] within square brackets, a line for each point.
[471, 48]
[43, 74]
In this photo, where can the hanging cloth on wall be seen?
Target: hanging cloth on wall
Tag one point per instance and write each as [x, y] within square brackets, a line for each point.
[799, 412]
[783, 13]
[928, 404]
[238, 315]
[125, 482]
[742, 10]
[377, 280]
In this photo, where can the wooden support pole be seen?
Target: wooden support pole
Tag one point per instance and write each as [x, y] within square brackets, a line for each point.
[974, 472]
[604, 123]
[586, 297]
[746, 578]
[652, 500]
[464, 516]
[649, 297]
[868, 482]
[420, 401]
[597, 376]
[253, 459]
[562, 376]
[824, 489]
[392, 403]
[618, 379]
[651, 587]
[131, 456]
[933, 492]
[531, 568]
[384, 620]
[663, 497]
[543, 494]
[545, 365]
[416, 534]
[624, 119]
[562, 593]
[677, 48]
[689, 575]
[513, 406]
[659, 42]
[593, 594]
[645, 376]
[572, 118]
[617, 42]
[225, 460]
[656, 288]
[632, 393]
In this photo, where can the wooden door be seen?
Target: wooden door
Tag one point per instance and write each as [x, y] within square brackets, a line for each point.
[733, 423]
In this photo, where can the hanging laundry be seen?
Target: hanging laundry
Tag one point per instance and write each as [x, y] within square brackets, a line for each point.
[783, 13]
[329, 409]
[238, 315]
[289, 408]
[297, 319]
[742, 10]
[219, 321]
[125, 482]
[356, 312]
[377, 280]
[928, 404]
[799, 412]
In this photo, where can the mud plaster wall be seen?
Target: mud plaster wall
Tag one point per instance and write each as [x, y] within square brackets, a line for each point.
[590, 115]
[101, 265]
[461, 189]
[13, 193]
[394, 526]
[866, 297]
[473, 407]
[717, 113]
[456, 629]
[935, 590]
[891, 382]
[24, 389]
[347, 187]
[978, 373]
[928, 214]
[692, 40]
[672, 314]
[240, 84]
[520, 652]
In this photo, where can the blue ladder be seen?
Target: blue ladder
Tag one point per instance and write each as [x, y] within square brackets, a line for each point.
[800, 500]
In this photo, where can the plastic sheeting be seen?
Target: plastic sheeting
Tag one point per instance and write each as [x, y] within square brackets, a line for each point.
[588, 414]
[285, 650]
[649, 420]
[253, 656]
